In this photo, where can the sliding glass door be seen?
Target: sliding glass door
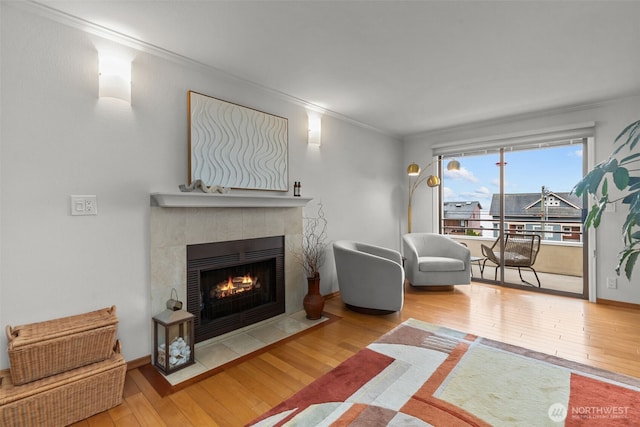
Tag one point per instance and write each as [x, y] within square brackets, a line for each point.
[517, 201]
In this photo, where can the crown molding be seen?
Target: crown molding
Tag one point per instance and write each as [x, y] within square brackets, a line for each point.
[516, 117]
[89, 27]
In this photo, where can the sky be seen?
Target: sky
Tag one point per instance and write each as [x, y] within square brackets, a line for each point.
[526, 171]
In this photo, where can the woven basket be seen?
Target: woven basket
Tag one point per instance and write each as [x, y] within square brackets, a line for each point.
[42, 349]
[65, 398]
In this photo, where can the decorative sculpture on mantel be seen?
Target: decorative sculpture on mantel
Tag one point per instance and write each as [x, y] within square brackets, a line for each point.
[198, 184]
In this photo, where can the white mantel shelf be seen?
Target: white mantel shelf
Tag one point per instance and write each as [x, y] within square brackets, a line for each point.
[211, 200]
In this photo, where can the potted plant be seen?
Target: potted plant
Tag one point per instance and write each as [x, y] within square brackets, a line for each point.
[619, 167]
[314, 243]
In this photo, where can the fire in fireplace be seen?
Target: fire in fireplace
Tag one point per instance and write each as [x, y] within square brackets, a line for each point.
[225, 291]
[234, 284]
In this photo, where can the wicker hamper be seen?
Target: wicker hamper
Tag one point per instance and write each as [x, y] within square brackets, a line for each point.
[47, 348]
[65, 398]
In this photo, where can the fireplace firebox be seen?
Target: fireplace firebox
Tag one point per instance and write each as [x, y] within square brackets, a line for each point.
[234, 284]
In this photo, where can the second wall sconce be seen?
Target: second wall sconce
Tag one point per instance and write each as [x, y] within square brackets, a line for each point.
[115, 78]
[315, 129]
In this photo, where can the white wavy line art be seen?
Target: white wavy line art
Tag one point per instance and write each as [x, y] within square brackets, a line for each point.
[237, 147]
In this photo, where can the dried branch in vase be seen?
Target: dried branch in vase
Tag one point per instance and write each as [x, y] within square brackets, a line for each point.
[314, 242]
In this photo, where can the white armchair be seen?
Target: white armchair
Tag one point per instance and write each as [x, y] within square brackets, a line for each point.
[435, 260]
[370, 278]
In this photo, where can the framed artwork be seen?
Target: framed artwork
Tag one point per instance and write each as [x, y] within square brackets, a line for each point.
[236, 147]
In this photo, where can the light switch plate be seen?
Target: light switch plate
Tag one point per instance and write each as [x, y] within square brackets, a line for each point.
[84, 205]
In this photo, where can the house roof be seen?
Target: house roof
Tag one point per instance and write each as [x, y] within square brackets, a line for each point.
[528, 205]
[461, 210]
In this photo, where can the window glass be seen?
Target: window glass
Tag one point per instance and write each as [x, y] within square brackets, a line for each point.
[537, 191]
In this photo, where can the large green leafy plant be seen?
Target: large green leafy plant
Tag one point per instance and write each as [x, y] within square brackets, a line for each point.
[619, 169]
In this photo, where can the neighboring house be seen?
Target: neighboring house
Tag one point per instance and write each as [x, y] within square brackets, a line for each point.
[461, 216]
[560, 216]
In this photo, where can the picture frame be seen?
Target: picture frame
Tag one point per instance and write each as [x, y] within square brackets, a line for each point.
[236, 147]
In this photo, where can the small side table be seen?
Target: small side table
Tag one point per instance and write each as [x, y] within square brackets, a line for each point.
[480, 261]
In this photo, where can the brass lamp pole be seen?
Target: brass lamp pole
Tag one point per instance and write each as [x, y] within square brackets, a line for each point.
[413, 170]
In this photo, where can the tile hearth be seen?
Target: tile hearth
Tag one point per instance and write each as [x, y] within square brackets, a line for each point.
[218, 351]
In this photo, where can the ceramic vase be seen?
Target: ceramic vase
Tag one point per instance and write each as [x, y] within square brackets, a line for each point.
[313, 302]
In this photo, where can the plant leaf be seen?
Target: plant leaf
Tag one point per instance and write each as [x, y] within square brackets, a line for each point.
[588, 222]
[629, 158]
[634, 183]
[631, 262]
[631, 130]
[634, 142]
[631, 197]
[602, 204]
[590, 182]
[634, 125]
[611, 165]
[621, 178]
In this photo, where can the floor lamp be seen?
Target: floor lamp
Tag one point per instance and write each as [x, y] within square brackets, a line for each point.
[413, 170]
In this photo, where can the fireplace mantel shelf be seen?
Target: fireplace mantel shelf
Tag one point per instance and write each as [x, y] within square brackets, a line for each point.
[209, 200]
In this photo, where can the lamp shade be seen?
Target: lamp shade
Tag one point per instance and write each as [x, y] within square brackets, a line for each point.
[433, 181]
[453, 165]
[413, 170]
[114, 78]
[315, 129]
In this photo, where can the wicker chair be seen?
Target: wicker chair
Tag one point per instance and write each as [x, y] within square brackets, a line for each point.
[520, 251]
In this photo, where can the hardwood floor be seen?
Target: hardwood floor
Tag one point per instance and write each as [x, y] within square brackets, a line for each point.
[594, 334]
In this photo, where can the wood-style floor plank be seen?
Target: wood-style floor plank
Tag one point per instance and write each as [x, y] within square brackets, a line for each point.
[215, 409]
[599, 335]
[191, 410]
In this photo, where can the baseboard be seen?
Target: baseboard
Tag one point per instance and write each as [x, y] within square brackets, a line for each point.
[618, 303]
[332, 295]
[137, 363]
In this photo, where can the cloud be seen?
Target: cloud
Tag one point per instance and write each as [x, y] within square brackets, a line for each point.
[484, 191]
[577, 153]
[462, 174]
[448, 193]
[480, 194]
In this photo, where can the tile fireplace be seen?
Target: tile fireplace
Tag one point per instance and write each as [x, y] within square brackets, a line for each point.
[180, 221]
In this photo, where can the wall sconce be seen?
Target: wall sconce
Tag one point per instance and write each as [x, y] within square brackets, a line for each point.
[414, 170]
[115, 78]
[315, 129]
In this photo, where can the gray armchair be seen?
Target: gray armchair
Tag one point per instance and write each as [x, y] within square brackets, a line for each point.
[435, 260]
[370, 278]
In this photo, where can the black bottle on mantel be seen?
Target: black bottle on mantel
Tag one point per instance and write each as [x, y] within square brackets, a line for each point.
[296, 189]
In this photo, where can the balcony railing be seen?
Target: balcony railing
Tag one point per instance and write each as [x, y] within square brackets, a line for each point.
[563, 258]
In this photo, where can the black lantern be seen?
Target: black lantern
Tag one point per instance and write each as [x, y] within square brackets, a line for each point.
[173, 333]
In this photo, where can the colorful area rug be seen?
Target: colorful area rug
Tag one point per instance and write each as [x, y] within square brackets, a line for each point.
[420, 374]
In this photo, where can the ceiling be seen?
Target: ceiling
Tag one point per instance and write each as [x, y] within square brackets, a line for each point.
[402, 67]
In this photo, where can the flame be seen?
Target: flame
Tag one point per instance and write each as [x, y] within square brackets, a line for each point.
[228, 286]
[234, 285]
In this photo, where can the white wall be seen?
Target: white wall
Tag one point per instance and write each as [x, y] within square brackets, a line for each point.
[59, 139]
[610, 118]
